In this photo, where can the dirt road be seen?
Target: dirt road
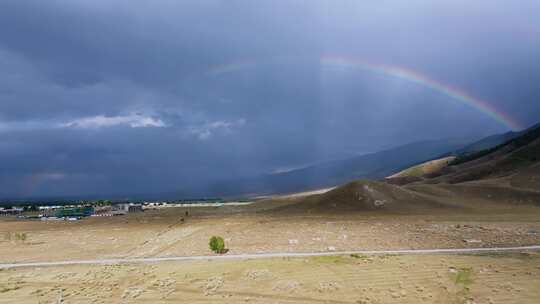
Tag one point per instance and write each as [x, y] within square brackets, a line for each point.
[268, 255]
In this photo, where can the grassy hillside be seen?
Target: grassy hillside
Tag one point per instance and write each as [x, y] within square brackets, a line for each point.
[425, 168]
[488, 143]
[522, 140]
[516, 156]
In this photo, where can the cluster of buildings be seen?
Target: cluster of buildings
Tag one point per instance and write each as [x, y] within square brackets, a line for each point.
[11, 211]
[118, 209]
[76, 212]
[71, 212]
[103, 209]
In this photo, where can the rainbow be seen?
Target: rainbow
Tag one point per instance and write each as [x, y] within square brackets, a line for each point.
[388, 70]
[416, 77]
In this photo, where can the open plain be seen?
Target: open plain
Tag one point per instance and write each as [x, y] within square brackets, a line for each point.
[485, 278]
[509, 277]
[162, 233]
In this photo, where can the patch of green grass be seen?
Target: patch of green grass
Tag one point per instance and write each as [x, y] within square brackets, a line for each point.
[17, 236]
[329, 259]
[4, 289]
[21, 236]
[510, 255]
[417, 171]
[358, 256]
[463, 276]
[387, 256]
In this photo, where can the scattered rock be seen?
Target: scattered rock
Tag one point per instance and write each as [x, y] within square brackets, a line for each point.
[165, 283]
[379, 203]
[132, 292]
[213, 285]
[293, 242]
[286, 286]
[258, 274]
[365, 300]
[472, 241]
[534, 231]
[63, 276]
[328, 286]
[331, 248]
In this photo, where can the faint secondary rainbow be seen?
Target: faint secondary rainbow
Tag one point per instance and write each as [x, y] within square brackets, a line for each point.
[415, 77]
[245, 64]
[232, 67]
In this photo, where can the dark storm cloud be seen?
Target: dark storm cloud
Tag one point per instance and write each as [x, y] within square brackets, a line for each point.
[137, 96]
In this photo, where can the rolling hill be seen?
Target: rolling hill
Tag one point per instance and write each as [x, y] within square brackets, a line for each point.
[504, 177]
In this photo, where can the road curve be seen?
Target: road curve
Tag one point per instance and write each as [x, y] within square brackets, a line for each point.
[267, 255]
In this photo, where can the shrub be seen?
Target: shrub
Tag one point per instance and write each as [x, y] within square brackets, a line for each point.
[22, 236]
[217, 244]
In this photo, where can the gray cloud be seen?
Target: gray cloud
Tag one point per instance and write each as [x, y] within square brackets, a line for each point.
[136, 96]
[205, 131]
[101, 121]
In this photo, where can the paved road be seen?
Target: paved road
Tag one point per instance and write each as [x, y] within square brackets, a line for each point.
[267, 255]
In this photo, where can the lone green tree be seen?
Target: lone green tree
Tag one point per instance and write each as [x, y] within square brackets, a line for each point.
[217, 244]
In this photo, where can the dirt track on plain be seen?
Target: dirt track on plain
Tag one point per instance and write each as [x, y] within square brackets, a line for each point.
[484, 278]
[354, 278]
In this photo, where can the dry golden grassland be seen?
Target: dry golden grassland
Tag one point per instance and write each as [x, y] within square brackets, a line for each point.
[493, 278]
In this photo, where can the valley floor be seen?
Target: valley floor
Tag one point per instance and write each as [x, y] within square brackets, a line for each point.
[163, 233]
[486, 278]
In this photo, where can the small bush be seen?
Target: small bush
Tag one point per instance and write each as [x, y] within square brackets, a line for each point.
[217, 244]
[17, 236]
[21, 236]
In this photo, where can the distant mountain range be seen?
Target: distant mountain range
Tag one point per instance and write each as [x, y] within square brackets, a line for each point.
[374, 166]
[371, 166]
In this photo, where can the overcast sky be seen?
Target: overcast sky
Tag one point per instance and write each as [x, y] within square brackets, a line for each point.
[103, 97]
